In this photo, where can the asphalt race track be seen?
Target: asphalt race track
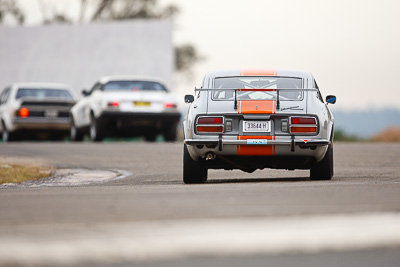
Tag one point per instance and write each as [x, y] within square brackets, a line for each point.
[146, 216]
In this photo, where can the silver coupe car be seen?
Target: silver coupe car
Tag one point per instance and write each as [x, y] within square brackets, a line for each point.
[35, 110]
[255, 119]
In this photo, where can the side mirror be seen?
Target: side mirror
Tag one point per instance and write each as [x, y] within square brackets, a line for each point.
[330, 99]
[85, 92]
[189, 98]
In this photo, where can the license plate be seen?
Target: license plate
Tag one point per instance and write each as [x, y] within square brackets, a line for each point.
[141, 104]
[51, 113]
[256, 126]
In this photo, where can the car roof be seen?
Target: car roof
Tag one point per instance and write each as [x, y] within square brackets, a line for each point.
[259, 72]
[33, 85]
[129, 78]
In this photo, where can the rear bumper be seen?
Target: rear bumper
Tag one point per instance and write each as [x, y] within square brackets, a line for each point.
[166, 116]
[250, 154]
[137, 124]
[42, 123]
[290, 142]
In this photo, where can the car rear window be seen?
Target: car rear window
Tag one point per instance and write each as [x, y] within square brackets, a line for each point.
[41, 93]
[262, 82]
[133, 85]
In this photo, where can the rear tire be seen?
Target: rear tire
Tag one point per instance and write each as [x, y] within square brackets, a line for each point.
[323, 170]
[194, 172]
[96, 131]
[170, 134]
[151, 137]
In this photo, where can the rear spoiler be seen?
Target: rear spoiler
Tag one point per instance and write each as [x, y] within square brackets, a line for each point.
[255, 89]
[47, 102]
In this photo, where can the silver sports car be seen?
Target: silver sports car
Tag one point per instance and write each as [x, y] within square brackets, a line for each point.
[255, 119]
[35, 110]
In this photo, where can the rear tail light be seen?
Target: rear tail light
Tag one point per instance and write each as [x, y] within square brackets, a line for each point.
[210, 125]
[170, 105]
[210, 120]
[113, 104]
[303, 125]
[303, 129]
[24, 112]
[210, 129]
[303, 120]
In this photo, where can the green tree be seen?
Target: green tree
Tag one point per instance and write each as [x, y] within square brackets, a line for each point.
[129, 9]
[341, 135]
[9, 8]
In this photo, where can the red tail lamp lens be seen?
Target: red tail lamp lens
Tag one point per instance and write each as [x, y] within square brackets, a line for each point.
[210, 129]
[113, 104]
[303, 129]
[300, 120]
[170, 105]
[24, 112]
[210, 120]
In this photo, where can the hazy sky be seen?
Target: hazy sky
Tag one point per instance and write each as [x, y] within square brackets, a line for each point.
[351, 47]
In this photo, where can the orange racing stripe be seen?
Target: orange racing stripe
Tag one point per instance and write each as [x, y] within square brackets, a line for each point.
[258, 73]
[254, 150]
[257, 106]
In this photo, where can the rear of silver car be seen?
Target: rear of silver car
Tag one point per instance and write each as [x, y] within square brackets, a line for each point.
[258, 127]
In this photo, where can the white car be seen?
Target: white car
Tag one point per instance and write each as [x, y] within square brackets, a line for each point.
[255, 119]
[39, 110]
[125, 106]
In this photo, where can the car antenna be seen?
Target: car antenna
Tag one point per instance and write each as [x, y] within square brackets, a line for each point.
[278, 106]
[235, 103]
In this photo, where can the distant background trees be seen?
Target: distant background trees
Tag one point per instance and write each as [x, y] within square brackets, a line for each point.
[10, 10]
[186, 55]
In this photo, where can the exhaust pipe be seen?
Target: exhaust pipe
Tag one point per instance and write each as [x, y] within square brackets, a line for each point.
[210, 156]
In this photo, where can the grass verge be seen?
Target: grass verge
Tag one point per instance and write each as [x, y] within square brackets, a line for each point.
[19, 173]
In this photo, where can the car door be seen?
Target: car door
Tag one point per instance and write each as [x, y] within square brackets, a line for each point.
[3, 109]
[84, 106]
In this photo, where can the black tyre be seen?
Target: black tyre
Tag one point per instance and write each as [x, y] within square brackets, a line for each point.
[96, 130]
[194, 172]
[151, 137]
[57, 137]
[76, 135]
[323, 170]
[6, 135]
[170, 134]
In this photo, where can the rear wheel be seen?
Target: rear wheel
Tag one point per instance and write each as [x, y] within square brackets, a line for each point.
[170, 134]
[194, 172]
[96, 131]
[75, 134]
[323, 170]
[151, 137]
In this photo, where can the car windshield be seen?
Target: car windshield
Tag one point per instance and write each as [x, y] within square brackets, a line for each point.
[133, 85]
[42, 93]
[262, 82]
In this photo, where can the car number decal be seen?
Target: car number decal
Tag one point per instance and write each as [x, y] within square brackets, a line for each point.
[257, 142]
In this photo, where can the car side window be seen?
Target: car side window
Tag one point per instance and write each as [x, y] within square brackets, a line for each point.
[319, 96]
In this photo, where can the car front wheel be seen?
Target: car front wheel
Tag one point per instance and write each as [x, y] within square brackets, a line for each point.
[194, 172]
[323, 170]
[96, 131]
[75, 134]
[6, 135]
